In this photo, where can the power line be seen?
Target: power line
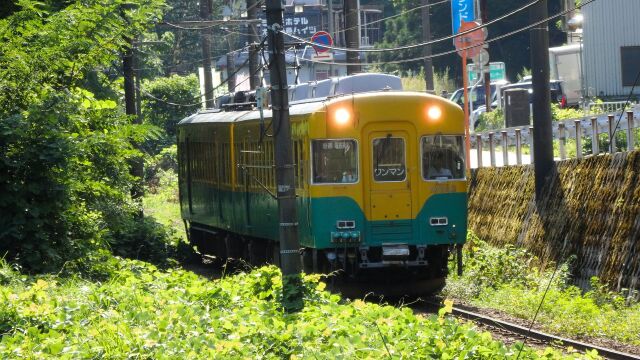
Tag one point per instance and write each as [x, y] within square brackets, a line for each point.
[585, 2]
[431, 42]
[224, 82]
[396, 15]
[217, 22]
[194, 61]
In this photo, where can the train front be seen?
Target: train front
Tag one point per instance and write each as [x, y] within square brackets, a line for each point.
[388, 185]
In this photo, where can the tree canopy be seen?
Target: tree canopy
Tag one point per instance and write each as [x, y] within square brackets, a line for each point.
[64, 174]
[407, 29]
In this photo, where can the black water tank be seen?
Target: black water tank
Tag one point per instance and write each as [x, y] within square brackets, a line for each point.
[516, 108]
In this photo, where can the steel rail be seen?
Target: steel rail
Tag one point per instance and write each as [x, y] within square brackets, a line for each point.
[541, 336]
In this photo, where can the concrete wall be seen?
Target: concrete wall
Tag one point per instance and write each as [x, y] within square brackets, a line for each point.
[592, 211]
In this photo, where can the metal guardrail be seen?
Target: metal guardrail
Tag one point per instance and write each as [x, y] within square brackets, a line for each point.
[579, 129]
[607, 107]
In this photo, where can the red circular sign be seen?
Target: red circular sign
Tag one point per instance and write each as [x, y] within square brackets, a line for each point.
[470, 44]
[322, 38]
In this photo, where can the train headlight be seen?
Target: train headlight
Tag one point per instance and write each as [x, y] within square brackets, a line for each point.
[434, 113]
[342, 117]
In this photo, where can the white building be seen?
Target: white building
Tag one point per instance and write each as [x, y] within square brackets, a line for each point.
[611, 37]
[313, 67]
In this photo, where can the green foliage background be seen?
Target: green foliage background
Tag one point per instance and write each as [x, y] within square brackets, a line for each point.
[64, 171]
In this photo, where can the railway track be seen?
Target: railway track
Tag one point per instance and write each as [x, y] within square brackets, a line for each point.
[497, 326]
[505, 327]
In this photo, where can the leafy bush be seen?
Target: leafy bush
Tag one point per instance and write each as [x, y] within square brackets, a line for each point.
[602, 295]
[167, 101]
[488, 267]
[155, 167]
[64, 172]
[493, 120]
[8, 272]
[141, 238]
[146, 313]
[50, 183]
[558, 114]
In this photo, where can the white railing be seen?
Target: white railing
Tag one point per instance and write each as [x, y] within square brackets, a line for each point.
[519, 138]
[607, 107]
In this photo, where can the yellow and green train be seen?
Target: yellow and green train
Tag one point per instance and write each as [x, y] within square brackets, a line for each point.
[380, 181]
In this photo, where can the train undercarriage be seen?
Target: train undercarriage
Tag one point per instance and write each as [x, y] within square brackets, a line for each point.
[384, 267]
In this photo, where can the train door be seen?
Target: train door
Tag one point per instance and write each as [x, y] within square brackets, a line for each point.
[390, 174]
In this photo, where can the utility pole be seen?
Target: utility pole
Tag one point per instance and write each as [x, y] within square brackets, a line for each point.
[542, 135]
[205, 15]
[286, 192]
[252, 14]
[231, 68]
[352, 35]
[130, 109]
[138, 74]
[484, 16]
[129, 83]
[426, 36]
[330, 19]
[332, 28]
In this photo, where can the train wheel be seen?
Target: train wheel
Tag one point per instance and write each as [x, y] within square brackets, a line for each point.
[257, 252]
[307, 260]
[220, 249]
[196, 238]
[275, 259]
[234, 246]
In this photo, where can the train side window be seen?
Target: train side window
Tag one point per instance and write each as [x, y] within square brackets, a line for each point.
[442, 157]
[334, 161]
[299, 163]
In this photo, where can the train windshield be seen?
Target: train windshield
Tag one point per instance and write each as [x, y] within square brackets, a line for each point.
[442, 157]
[389, 159]
[334, 161]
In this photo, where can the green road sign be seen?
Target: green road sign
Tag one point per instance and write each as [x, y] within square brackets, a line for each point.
[497, 72]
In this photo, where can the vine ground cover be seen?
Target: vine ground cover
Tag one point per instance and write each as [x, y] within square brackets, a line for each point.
[141, 312]
[508, 280]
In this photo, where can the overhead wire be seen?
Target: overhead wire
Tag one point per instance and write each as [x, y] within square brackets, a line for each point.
[258, 3]
[224, 82]
[586, 2]
[535, 316]
[395, 15]
[224, 23]
[420, 58]
[196, 61]
[430, 42]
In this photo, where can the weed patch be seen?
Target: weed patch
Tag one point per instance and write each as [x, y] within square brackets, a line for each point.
[142, 312]
[509, 279]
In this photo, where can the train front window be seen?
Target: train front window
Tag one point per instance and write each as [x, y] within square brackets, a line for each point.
[389, 159]
[442, 157]
[334, 161]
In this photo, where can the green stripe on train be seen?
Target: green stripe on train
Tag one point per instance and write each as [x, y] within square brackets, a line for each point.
[256, 214]
[326, 211]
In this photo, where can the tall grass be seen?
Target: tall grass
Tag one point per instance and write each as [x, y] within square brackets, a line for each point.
[442, 81]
